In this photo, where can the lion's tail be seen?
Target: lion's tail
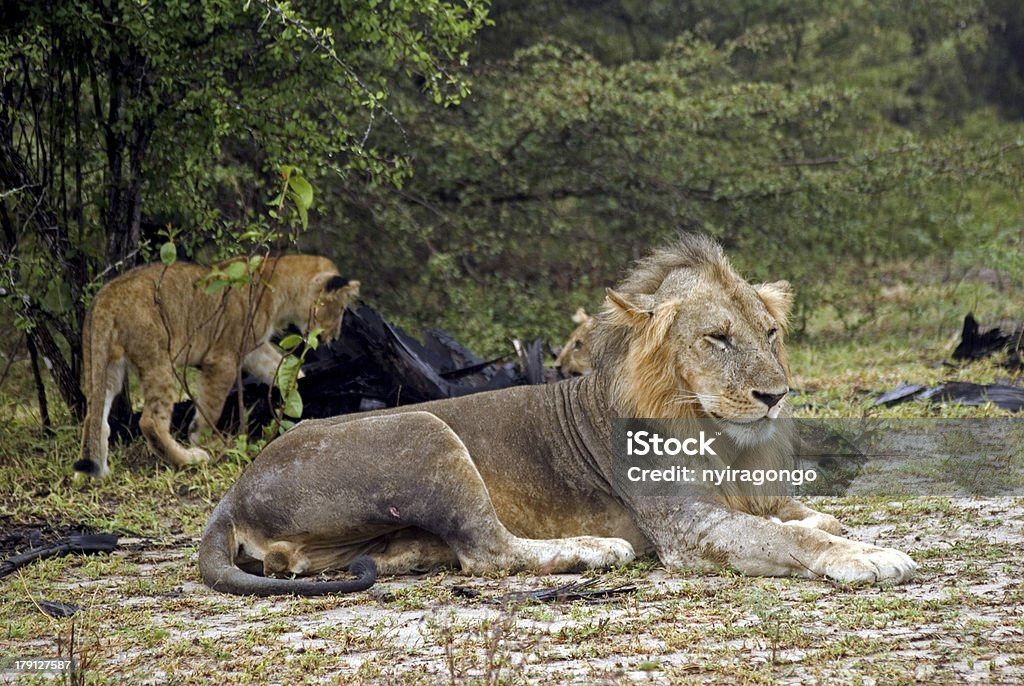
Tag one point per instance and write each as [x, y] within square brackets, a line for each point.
[217, 566]
[103, 379]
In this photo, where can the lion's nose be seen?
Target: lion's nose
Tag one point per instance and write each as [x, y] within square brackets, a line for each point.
[769, 399]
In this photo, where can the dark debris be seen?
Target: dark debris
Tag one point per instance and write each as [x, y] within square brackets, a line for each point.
[577, 590]
[1005, 396]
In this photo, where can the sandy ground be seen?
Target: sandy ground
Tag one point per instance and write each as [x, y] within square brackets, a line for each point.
[145, 618]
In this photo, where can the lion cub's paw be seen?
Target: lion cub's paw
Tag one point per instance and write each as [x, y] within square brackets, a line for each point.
[869, 565]
[193, 456]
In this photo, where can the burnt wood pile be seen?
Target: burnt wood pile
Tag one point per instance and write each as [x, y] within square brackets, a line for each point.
[1001, 395]
[977, 343]
[375, 365]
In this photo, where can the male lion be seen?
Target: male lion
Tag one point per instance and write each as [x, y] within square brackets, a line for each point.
[158, 318]
[522, 478]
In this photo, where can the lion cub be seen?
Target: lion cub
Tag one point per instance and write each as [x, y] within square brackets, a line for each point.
[574, 358]
[160, 319]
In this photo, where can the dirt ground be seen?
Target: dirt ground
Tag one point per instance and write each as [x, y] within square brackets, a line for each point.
[146, 618]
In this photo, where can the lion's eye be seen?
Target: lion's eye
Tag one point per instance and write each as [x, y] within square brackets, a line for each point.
[720, 341]
[772, 335]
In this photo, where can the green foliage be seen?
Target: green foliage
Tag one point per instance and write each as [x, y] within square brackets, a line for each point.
[286, 381]
[118, 115]
[796, 133]
[296, 189]
[288, 373]
[799, 133]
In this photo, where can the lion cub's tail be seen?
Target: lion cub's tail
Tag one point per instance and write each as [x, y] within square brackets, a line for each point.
[104, 375]
[217, 566]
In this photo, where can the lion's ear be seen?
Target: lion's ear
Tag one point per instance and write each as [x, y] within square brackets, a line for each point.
[580, 316]
[336, 286]
[778, 298]
[625, 312]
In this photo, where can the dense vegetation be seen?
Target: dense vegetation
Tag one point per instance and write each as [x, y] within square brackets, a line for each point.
[490, 168]
[801, 134]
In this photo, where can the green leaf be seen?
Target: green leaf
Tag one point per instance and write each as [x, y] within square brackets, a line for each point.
[168, 253]
[288, 374]
[251, 235]
[303, 213]
[290, 342]
[313, 338]
[303, 191]
[236, 271]
[293, 404]
[215, 285]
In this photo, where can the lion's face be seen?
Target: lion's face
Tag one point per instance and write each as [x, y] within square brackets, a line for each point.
[705, 344]
[329, 309]
[728, 353]
[574, 358]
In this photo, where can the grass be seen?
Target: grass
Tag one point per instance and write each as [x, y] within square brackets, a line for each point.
[146, 615]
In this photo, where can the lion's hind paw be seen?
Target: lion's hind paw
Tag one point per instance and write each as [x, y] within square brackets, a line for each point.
[189, 456]
[592, 552]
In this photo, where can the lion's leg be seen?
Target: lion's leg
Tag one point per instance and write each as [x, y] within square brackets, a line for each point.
[458, 508]
[414, 553]
[701, 532]
[795, 513]
[407, 551]
[158, 388]
[263, 363]
[548, 556]
[395, 486]
[216, 375]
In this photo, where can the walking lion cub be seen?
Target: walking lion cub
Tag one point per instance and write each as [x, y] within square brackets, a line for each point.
[160, 319]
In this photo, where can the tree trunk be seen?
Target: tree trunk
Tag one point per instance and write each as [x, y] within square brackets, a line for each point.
[123, 216]
[14, 174]
[33, 354]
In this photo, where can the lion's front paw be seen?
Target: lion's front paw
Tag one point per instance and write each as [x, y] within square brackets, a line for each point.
[869, 565]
